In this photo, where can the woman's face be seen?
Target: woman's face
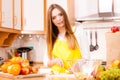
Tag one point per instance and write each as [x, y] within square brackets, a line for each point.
[58, 18]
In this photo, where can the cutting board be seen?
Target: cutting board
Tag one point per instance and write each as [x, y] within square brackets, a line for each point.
[21, 77]
[61, 76]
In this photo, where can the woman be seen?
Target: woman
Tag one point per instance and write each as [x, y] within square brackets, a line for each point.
[61, 42]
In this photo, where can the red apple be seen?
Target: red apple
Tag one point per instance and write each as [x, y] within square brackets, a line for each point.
[25, 71]
[20, 62]
[30, 69]
[114, 29]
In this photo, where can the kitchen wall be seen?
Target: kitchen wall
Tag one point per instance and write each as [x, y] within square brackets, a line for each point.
[37, 41]
[82, 32]
[83, 35]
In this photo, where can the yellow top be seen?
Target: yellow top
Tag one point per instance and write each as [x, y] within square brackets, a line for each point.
[62, 51]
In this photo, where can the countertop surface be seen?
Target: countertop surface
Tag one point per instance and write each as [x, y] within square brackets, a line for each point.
[38, 76]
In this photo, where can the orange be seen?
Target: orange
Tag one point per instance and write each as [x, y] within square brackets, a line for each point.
[14, 69]
[4, 67]
[15, 60]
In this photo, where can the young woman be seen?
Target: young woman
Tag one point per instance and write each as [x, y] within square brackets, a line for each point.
[61, 42]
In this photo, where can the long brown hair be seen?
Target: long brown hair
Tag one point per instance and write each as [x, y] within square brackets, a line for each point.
[52, 30]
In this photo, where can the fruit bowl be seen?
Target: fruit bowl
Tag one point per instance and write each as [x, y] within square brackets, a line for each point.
[82, 69]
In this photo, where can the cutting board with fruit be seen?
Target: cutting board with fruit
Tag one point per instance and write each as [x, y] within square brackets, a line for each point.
[18, 66]
[7, 75]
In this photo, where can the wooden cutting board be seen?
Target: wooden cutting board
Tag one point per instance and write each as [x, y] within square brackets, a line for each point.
[10, 76]
[61, 76]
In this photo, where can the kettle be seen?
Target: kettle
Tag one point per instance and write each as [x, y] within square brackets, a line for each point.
[22, 51]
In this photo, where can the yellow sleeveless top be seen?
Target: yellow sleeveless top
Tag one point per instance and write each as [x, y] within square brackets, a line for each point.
[61, 50]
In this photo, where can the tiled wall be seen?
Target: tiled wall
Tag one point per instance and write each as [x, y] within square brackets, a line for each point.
[37, 41]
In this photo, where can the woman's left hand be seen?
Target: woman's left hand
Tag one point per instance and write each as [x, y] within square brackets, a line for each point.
[59, 62]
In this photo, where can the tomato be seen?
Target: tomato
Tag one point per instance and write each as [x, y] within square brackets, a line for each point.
[115, 29]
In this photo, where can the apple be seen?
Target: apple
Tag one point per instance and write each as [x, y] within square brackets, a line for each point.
[114, 29]
[33, 69]
[24, 63]
[24, 71]
[30, 69]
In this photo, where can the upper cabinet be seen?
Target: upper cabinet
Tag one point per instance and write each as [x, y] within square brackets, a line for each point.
[17, 14]
[7, 16]
[68, 5]
[29, 16]
[33, 16]
[84, 8]
[7, 13]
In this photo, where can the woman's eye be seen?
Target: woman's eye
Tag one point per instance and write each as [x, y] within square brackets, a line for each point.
[60, 14]
[53, 17]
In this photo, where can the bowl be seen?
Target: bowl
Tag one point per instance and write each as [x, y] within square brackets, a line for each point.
[83, 68]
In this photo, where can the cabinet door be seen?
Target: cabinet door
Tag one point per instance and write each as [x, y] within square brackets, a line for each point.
[85, 8]
[68, 6]
[17, 14]
[33, 15]
[7, 13]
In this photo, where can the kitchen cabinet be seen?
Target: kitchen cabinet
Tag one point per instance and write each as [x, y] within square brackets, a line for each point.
[17, 14]
[7, 13]
[33, 16]
[68, 5]
[7, 16]
[85, 8]
[29, 16]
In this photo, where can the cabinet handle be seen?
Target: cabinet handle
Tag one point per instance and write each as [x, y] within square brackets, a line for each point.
[24, 22]
[15, 20]
[3, 17]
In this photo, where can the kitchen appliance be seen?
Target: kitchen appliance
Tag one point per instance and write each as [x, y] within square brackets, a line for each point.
[97, 10]
[22, 51]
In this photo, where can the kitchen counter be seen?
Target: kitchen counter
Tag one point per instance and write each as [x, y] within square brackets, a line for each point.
[7, 76]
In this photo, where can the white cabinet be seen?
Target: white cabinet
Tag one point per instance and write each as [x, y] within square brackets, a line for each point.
[117, 6]
[85, 8]
[7, 13]
[32, 15]
[17, 14]
[68, 5]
